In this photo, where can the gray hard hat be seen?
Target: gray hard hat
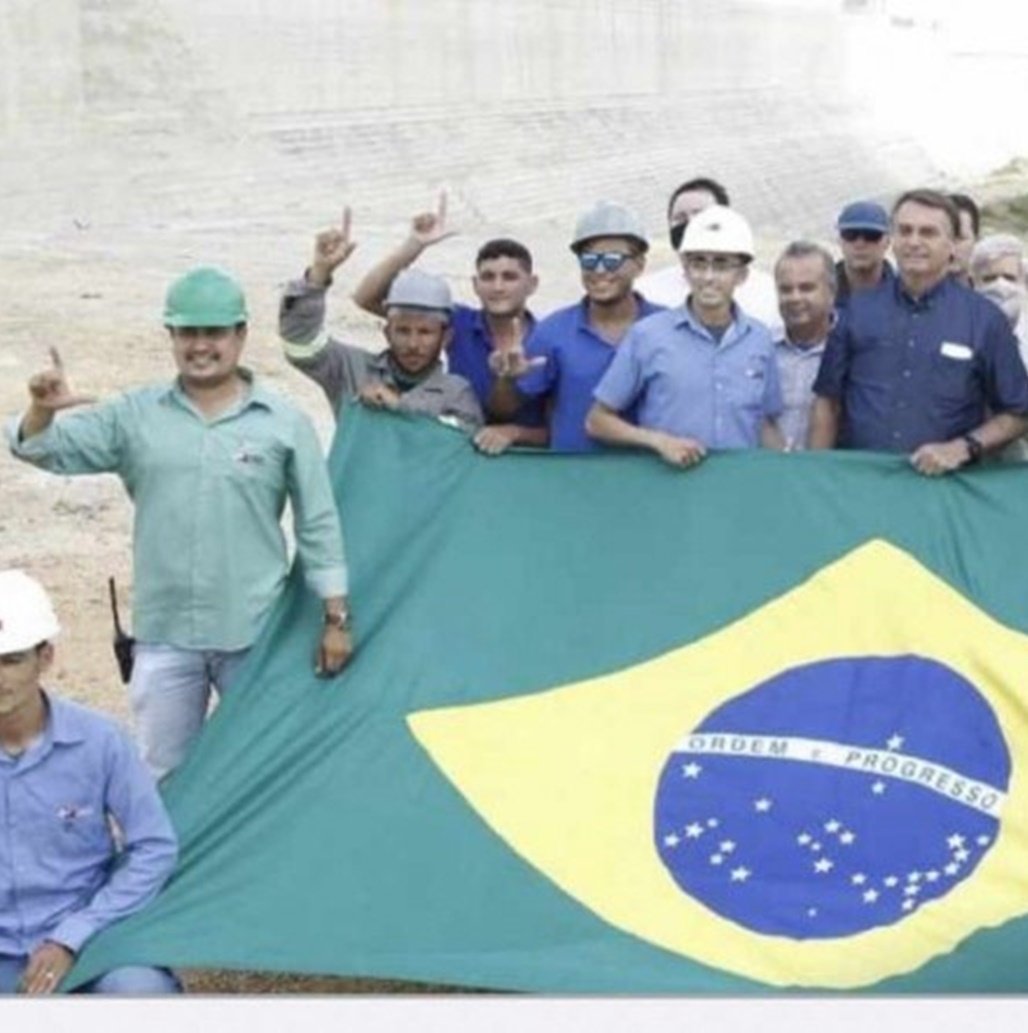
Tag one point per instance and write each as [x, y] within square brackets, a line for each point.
[608, 219]
[414, 289]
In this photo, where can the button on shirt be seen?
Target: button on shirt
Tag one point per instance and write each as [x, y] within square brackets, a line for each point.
[576, 358]
[60, 875]
[797, 371]
[468, 357]
[688, 384]
[909, 372]
[209, 552]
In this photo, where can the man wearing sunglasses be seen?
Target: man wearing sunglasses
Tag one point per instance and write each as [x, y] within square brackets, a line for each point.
[703, 375]
[570, 350]
[864, 240]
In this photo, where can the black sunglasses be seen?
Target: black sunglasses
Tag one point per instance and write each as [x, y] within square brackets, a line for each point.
[871, 236]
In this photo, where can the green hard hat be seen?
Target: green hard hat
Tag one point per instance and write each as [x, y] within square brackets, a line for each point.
[205, 296]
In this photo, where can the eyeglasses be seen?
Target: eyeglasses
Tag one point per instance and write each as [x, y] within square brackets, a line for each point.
[871, 236]
[716, 264]
[611, 261]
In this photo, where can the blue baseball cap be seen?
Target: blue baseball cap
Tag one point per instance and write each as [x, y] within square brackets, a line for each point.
[864, 215]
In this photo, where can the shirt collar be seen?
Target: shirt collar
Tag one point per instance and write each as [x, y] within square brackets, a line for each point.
[381, 365]
[926, 300]
[256, 393]
[739, 325]
[64, 723]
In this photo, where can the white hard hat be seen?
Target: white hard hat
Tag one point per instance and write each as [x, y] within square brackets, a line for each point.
[720, 231]
[608, 219]
[26, 616]
[413, 288]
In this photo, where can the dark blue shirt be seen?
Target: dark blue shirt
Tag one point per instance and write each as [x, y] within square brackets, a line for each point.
[909, 372]
[576, 358]
[468, 356]
[844, 291]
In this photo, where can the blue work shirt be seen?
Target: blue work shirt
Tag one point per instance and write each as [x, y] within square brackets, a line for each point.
[909, 372]
[61, 876]
[684, 382]
[576, 358]
[468, 357]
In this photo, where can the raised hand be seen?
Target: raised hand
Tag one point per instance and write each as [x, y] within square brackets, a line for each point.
[50, 391]
[511, 363]
[428, 228]
[332, 248]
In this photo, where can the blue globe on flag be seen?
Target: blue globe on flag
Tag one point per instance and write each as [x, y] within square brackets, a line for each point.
[834, 798]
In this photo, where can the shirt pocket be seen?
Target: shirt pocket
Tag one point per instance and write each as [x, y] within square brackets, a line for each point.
[252, 461]
[751, 385]
[953, 378]
[72, 835]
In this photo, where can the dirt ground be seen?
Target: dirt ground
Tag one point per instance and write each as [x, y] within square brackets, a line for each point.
[95, 292]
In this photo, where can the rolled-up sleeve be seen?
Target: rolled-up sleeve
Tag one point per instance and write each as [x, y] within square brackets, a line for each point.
[622, 384]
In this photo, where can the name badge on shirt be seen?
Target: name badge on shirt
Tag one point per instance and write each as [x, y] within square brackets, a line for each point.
[956, 351]
[246, 453]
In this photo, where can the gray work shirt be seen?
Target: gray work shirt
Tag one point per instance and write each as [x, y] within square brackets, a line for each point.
[797, 370]
[343, 369]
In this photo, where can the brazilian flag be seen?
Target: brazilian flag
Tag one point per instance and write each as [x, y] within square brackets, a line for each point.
[614, 727]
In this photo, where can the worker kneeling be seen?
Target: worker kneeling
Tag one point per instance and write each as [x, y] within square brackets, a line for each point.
[66, 774]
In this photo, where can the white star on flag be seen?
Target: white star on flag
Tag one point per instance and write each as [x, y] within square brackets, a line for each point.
[847, 837]
[762, 805]
[716, 858]
[803, 838]
[911, 891]
[833, 825]
[878, 788]
[823, 864]
[890, 880]
[932, 876]
[961, 855]
[955, 841]
[859, 879]
[671, 840]
[951, 869]
[982, 840]
[909, 905]
[694, 831]
[712, 823]
[740, 874]
[691, 770]
[870, 896]
[914, 877]
[895, 742]
[726, 847]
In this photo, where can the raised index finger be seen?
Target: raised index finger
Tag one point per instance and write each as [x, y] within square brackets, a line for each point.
[347, 220]
[441, 211]
[55, 358]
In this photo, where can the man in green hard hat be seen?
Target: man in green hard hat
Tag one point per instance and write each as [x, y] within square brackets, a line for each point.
[209, 461]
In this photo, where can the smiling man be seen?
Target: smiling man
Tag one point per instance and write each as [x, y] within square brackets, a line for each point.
[570, 350]
[863, 228]
[805, 280]
[503, 282]
[701, 376]
[924, 366]
[209, 460]
[65, 774]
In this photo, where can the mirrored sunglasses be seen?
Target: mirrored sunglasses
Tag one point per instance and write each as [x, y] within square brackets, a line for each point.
[609, 261]
[871, 236]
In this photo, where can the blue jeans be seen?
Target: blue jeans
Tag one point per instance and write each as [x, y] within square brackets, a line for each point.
[170, 693]
[137, 980]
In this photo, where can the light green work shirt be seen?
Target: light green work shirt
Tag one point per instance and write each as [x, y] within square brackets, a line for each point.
[209, 551]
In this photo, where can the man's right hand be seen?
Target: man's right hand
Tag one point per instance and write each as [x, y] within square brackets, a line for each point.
[50, 393]
[428, 228]
[331, 248]
[678, 451]
[511, 363]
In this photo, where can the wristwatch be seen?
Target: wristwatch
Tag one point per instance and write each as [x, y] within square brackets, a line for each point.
[974, 449]
[338, 619]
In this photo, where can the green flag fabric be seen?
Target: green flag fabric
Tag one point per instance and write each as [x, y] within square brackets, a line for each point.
[613, 727]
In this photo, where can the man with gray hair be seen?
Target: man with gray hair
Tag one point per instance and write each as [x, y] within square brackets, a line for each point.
[806, 283]
[408, 376]
[997, 270]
